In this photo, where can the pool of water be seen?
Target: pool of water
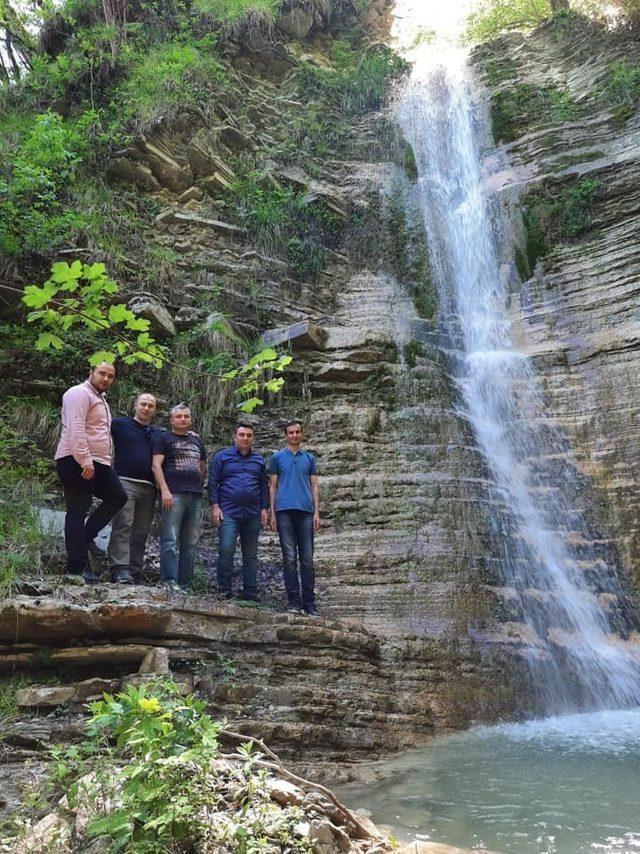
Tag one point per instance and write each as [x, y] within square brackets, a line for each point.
[561, 785]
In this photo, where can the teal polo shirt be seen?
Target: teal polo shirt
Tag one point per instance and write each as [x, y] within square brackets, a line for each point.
[294, 485]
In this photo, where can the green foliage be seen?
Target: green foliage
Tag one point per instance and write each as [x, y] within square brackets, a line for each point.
[411, 351]
[355, 87]
[551, 217]
[33, 217]
[77, 294]
[24, 474]
[621, 91]
[286, 221]
[257, 375]
[230, 11]
[409, 259]
[516, 109]
[173, 74]
[492, 17]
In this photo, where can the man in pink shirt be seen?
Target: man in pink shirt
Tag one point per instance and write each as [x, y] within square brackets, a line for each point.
[83, 461]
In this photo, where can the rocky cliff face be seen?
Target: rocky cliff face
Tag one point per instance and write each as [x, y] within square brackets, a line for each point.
[573, 170]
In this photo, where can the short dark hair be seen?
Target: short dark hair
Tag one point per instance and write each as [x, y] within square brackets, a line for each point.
[244, 425]
[292, 423]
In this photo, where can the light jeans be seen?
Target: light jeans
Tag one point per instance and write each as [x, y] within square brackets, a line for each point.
[130, 526]
[179, 535]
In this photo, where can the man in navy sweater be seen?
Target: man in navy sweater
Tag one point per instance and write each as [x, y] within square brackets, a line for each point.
[239, 499]
[132, 439]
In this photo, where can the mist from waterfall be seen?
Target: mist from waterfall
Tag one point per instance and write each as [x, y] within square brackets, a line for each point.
[568, 592]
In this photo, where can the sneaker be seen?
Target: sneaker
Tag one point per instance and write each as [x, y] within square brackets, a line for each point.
[312, 611]
[294, 609]
[90, 577]
[122, 576]
[171, 584]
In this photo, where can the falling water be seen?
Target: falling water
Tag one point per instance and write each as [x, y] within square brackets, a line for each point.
[578, 655]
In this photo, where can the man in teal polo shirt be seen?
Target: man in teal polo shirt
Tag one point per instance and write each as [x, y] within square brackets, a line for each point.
[294, 500]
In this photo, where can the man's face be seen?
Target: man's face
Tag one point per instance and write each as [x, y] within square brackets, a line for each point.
[294, 434]
[244, 439]
[145, 408]
[181, 420]
[102, 376]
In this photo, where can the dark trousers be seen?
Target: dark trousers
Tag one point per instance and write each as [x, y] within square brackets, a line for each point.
[295, 528]
[78, 493]
[248, 530]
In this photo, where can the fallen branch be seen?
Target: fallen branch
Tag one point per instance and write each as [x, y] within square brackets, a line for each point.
[276, 765]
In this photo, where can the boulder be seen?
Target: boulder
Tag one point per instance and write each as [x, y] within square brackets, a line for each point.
[303, 335]
[132, 171]
[167, 171]
[296, 23]
[326, 838]
[235, 140]
[147, 306]
[285, 793]
[155, 661]
[51, 833]
[192, 194]
[45, 695]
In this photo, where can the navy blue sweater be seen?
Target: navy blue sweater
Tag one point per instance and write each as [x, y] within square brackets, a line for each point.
[132, 443]
[238, 483]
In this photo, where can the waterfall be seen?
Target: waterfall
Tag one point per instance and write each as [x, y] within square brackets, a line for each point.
[568, 590]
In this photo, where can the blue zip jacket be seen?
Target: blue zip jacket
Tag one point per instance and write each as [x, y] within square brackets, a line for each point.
[238, 484]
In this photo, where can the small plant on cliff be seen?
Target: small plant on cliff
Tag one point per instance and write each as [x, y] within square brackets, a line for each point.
[492, 17]
[621, 91]
[516, 109]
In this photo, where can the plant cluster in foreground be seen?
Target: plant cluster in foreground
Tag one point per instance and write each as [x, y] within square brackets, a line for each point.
[151, 777]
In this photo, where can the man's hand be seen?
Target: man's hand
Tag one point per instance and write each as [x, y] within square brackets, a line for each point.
[264, 515]
[217, 515]
[316, 521]
[273, 522]
[167, 500]
[87, 472]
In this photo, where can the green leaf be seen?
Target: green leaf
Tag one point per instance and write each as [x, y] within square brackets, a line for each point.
[282, 363]
[230, 375]
[102, 356]
[94, 271]
[144, 340]
[266, 355]
[35, 297]
[119, 313]
[62, 272]
[137, 324]
[251, 404]
[274, 385]
[47, 340]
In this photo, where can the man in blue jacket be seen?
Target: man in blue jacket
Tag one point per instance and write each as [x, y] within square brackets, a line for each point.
[132, 442]
[239, 500]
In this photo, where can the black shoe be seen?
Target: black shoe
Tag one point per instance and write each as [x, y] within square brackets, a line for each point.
[90, 577]
[171, 585]
[123, 576]
[225, 594]
[312, 611]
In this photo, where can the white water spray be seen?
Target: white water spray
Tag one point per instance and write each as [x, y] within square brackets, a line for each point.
[578, 659]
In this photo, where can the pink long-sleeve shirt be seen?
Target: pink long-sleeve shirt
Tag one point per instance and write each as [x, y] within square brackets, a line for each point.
[86, 426]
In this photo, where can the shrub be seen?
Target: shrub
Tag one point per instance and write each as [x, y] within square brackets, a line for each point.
[621, 91]
[230, 11]
[32, 215]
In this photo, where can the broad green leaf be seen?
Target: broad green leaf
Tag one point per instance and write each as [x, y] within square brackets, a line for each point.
[137, 324]
[47, 340]
[230, 375]
[63, 272]
[94, 271]
[251, 404]
[144, 340]
[266, 355]
[119, 313]
[274, 385]
[35, 297]
[282, 362]
[248, 387]
[102, 356]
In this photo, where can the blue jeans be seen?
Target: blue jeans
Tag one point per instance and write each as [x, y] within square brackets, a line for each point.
[248, 529]
[295, 528]
[179, 535]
